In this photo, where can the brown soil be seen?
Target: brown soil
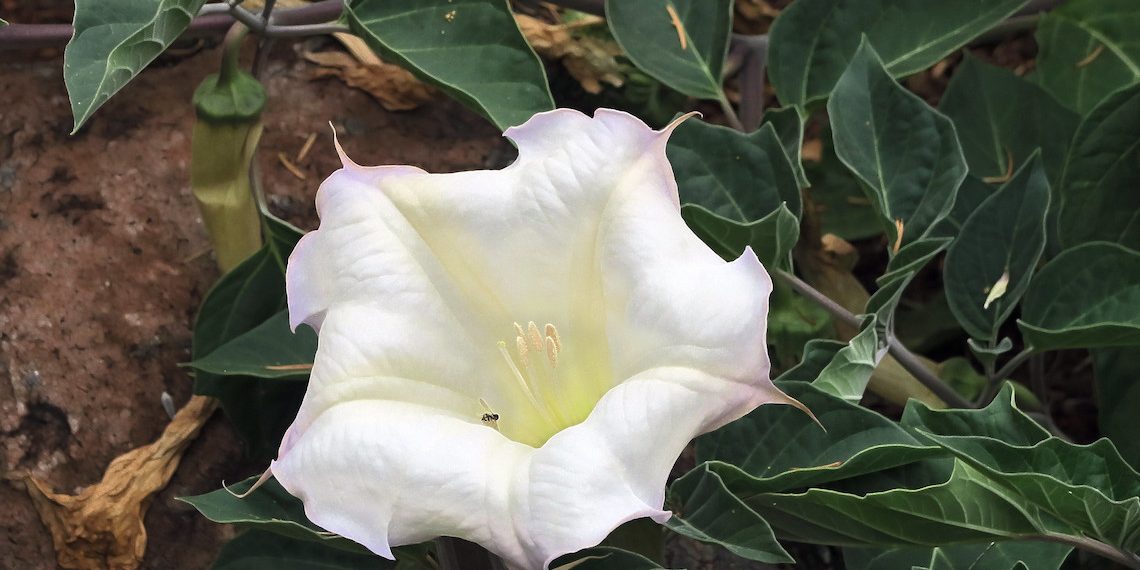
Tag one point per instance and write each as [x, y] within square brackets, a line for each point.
[103, 263]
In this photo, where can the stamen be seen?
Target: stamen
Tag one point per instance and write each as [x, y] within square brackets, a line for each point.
[535, 336]
[552, 333]
[519, 329]
[552, 351]
[523, 350]
[526, 388]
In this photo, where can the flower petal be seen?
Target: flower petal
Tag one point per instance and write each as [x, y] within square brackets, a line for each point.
[386, 474]
[412, 279]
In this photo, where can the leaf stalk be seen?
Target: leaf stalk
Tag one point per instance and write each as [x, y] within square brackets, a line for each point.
[902, 354]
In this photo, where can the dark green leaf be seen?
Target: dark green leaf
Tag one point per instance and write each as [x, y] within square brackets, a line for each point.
[971, 194]
[472, 49]
[1000, 116]
[705, 510]
[779, 448]
[983, 556]
[961, 376]
[926, 325]
[1118, 397]
[241, 301]
[813, 40]
[904, 151]
[254, 550]
[741, 177]
[913, 257]
[270, 350]
[817, 353]
[738, 190]
[1000, 420]
[849, 372]
[968, 507]
[789, 125]
[840, 202]
[770, 237]
[1086, 297]
[987, 354]
[113, 41]
[604, 558]
[1098, 194]
[999, 247]
[847, 375]
[686, 54]
[1070, 489]
[270, 508]
[1088, 49]
[794, 321]
[1010, 481]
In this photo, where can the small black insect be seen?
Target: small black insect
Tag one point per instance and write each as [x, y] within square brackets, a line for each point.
[490, 417]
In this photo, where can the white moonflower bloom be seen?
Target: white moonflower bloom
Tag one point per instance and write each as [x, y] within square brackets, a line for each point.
[515, 357]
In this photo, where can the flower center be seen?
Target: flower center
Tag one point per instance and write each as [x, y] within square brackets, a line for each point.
[534, 366]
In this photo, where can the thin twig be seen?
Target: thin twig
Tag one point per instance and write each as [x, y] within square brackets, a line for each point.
[1013, 364]
[752, 78]
[313, 19]
[905, 357]
[993, 379]
[1129, 559]
[730, 113]
[304, 30]
[215, 8]
[267, 10]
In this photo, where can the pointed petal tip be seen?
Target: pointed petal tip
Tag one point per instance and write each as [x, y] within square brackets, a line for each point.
[787, 400]
[265, 475]
[751, 262]
[677, 122]
[345, 161]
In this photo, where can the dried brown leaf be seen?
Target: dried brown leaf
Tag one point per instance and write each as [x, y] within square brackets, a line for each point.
[102, 526]
[393, 86]
[590, 60]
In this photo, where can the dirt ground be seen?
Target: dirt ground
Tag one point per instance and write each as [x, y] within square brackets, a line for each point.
[103, 263]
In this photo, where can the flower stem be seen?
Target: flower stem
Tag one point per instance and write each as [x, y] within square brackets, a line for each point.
[905, 357]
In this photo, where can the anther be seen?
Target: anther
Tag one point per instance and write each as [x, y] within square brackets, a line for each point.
[519, 329]
[523, 350]
[552, 333]
[552, 351]
[534, 336]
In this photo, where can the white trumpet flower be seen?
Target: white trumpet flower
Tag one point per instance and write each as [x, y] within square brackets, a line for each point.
[515, 357]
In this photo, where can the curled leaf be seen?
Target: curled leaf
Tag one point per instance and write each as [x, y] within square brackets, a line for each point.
[102, 526]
